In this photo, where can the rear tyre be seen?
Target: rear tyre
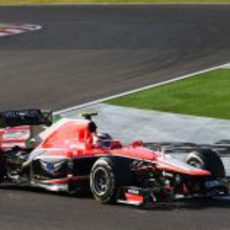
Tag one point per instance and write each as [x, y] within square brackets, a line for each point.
[208, 160]
[107, 176]
[2, 167]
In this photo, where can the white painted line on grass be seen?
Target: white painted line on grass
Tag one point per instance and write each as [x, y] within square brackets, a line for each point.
[141, 89]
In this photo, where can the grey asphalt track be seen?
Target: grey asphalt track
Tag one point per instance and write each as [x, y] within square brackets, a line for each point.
[88, 52]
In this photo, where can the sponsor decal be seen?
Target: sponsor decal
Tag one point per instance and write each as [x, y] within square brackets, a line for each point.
[16, 135]
[13, 29]
[51, 167]
[133, 191]
[211, 184]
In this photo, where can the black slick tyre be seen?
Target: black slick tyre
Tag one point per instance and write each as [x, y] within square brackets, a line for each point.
[107, 175]
[208, 160]
[2, 168]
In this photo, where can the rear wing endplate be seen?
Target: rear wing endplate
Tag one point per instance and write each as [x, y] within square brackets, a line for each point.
[14, 118]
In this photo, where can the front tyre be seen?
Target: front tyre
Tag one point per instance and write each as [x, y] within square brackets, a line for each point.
[208, 160]
[107, 176]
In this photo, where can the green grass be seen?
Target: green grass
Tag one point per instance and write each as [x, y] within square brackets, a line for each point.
[202, 95]
[22, 2]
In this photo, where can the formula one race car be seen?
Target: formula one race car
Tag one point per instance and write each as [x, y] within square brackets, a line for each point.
[71, 156]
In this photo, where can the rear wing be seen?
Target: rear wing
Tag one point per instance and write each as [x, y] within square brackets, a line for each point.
[15, 118]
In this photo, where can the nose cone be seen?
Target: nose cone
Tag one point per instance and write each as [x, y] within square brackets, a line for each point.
[168, 163]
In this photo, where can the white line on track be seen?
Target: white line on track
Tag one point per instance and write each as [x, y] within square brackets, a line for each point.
[140, 89]
[227, 66]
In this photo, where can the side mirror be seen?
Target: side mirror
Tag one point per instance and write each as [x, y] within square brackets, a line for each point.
[137, 143]
[116, 145]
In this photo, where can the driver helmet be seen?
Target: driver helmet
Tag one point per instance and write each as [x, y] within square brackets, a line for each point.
[104, 140]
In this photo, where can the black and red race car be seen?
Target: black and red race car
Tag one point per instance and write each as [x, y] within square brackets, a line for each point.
[69, 155]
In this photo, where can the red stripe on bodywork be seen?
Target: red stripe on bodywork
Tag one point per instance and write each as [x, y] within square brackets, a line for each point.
[134, 197]
[14, 141]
